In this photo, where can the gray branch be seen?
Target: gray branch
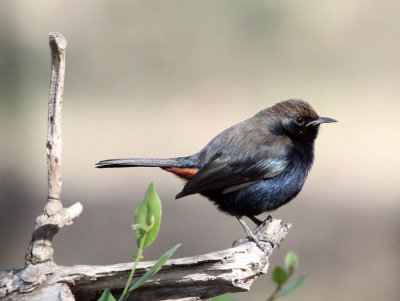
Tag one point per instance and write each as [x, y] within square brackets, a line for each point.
[54, 215]
[191, 278]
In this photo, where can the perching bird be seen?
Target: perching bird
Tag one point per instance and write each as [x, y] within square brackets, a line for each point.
[252, 167]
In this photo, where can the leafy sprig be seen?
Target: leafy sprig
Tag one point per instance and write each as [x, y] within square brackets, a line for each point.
[147, 225]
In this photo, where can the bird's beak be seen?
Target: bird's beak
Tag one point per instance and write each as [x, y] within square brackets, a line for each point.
[321, 120]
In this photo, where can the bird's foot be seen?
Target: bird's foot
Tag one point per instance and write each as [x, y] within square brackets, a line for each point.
[273, 242]
[258, 242]
[256, 236]
[240, 241]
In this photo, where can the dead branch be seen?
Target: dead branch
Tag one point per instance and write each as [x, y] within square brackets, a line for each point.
[199, 277]
[54, 215]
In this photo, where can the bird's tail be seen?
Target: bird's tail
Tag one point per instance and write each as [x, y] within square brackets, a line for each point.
[147, 162]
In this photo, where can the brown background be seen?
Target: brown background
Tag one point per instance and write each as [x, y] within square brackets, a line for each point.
[161, 78]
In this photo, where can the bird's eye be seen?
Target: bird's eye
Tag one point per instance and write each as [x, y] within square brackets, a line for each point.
[299, 120]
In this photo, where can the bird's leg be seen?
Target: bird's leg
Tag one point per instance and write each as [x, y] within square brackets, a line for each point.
[260, 224]
[251, 236]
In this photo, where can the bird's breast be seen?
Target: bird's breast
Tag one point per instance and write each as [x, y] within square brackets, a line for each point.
[269, 194]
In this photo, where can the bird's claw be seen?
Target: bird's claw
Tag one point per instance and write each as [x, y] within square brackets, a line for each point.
[257, 242]
[273, 242]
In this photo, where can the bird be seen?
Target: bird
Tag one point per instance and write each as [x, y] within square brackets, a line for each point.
[252, 167]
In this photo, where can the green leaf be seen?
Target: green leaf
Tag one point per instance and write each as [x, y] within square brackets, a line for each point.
[223, 297]
[279, 275]
[155, 268]
[148, 214]
[291, 261]
[106, 296]
[292, 286]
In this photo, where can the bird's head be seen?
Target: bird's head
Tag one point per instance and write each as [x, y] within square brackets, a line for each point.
[297, 119]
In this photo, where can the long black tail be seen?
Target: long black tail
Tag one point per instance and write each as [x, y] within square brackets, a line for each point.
[148, 162]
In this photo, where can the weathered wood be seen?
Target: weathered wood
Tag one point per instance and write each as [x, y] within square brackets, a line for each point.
[54, 216]
[199, 277]
[58, 45]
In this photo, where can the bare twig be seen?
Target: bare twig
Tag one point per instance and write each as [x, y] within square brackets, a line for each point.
[54, 143]
[199, 277]
[54, 216]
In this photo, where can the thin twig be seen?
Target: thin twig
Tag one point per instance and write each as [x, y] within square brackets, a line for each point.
[54, 143]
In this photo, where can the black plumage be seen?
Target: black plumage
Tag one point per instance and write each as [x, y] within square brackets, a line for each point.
[252, 167]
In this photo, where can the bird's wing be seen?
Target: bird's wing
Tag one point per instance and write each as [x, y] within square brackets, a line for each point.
[227, 175]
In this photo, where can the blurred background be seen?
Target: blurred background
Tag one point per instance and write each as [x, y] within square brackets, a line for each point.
[160, 79]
